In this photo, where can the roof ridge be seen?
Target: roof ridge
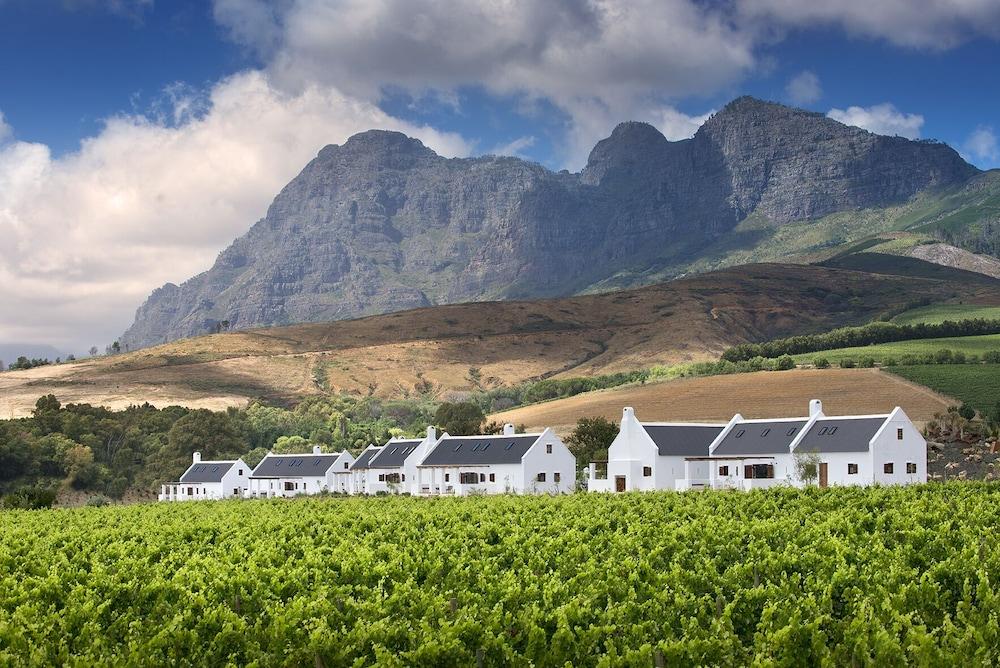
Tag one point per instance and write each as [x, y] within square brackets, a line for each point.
[535, 434]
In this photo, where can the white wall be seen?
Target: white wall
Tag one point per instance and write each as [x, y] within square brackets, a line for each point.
[630, 452]
[887, 447]
[537, 460]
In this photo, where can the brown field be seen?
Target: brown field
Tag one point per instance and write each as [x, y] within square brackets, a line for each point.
[446, 351]
[753, 395]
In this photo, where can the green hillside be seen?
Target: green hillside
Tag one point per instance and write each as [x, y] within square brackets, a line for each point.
[938, 313]
[970, 345]
[975, 384]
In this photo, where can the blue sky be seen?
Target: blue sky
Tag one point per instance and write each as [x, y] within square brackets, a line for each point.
[138, 138]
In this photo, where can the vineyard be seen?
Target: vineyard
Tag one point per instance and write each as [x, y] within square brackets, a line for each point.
[879, 576]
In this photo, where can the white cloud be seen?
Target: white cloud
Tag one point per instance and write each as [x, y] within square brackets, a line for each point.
[676, 125]
[931, 24]
[6, 132]
[515, 147]
[86, 236]
[982, 146]
[804, 88]
[882, 119]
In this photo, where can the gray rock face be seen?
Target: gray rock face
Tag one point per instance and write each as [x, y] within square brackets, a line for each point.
[382, 223]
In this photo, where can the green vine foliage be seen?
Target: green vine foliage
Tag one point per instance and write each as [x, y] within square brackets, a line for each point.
[877, 576]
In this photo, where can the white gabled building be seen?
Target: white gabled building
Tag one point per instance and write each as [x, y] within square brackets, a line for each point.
[295, 474]
[652, 455]
[208, 480]
[360, 481]
[516, 463]
[884, 449]
[393, 469]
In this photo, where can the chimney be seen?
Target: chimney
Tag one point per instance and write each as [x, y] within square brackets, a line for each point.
[628, 412]
[196, 457]
[432, 433]
[508, 429]
[815, 408]
[316, 450]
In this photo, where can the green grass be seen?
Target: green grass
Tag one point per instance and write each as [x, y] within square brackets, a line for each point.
[976, 384]
[970, 345]
[938, 313]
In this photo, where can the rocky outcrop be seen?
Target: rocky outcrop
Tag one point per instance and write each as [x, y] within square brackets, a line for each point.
[382, 223]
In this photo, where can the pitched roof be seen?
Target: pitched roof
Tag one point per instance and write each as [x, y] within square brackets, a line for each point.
[394, 453]
[207, 471]
[686, 440]
[364, 461]
[294, 466]
[760, 437]
[480, 450]
[841, 434]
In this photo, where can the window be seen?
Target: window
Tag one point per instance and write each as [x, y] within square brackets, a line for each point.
[791, 431]
[190, 491]
[758, 471]
[345, 466]
[833, 430]
[557, 476]
[887, 468]
[723, 470]
[765, 432]
[381, 477]
[482, 477]
[647, 471]
[468, 478]
[548, 448]
[403, 477]
[236, 491]
[288, 487]
[823, 431]
[447, 477]
[509, 446]
[911, 467]
[457, 447]
[240, 472]
[740, 433]
[852, 469]
[899, 434]
[541, 477]
[493, 477]
[392, 477]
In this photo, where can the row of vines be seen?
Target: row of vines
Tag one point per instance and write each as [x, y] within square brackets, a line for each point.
[882, 576]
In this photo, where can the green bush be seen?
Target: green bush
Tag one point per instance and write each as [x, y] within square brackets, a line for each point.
[847, 363]
[866, 362]
[967, 411]
[889, 361]
[786, 362]
[943, 356]
[992, 357]
[30, 498]
[958, 357]
[821, 363]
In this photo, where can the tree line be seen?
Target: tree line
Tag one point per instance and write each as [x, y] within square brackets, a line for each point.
[865, 335]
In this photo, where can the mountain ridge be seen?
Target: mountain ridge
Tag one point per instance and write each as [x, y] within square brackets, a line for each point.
[381, 223]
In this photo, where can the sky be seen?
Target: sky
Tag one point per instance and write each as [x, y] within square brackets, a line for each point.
[138, 138]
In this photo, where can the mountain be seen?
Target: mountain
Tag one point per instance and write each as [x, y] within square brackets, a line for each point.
[382, 223]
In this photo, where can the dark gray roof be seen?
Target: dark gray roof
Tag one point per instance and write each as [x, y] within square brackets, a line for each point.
[364, 461]
[840, 434]
[686, 440]
[760, 438]
[206, 472]
[394, 453]
[294, 466]
[480, 451]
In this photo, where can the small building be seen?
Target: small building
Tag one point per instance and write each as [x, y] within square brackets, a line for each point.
[393, 469]
[203, 480]
[884, 449]
[294, 474]
[515, 463]
[653, 455]
[360, 481]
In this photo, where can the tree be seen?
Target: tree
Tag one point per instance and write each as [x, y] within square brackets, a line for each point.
[93, 351]
[967, 411]
[807, 466]
[821, 363]
[289, 445]
[211, 434]
[786, 362]
[591, 439]
[460, 419]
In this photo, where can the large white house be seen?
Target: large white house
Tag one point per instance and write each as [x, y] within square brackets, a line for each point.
[393, 467]
[295, 474]
[882, 449]
[208, 480]
[517, 463]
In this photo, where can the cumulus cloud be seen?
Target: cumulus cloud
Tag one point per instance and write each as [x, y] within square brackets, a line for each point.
[804, 88]
[515, 147]
[982, 146]
[882, 119]
[86, 236]
[5, 130]
[676, 125]
[932, 24]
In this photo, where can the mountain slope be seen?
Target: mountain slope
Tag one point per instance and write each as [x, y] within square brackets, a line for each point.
[382, 223]
[445, 351]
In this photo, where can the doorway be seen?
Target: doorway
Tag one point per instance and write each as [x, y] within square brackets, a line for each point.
[619, 483]
[823, 474]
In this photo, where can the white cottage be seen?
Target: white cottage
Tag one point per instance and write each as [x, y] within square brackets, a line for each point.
[361, 481]
[295, 474]
[208, 480]
[393, 469]
[653, 455]
[517, 463]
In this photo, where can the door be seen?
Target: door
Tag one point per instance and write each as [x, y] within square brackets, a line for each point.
[619, 483]
[823, 473]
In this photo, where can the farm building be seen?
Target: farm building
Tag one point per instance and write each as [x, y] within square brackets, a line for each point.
[295, 474]
[882, 449]
[360, 482]
[393, 469]
[517, 463]
[208, 480]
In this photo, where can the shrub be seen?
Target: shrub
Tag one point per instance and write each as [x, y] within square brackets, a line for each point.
[866, 362]
[786, 362]
[889, 361]
[992, 357]
[943, 356]
[847, 363]
[909, 360]
[821, 363]
[30, 498]
[98, 501]
[967, 411]
[958, 357]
